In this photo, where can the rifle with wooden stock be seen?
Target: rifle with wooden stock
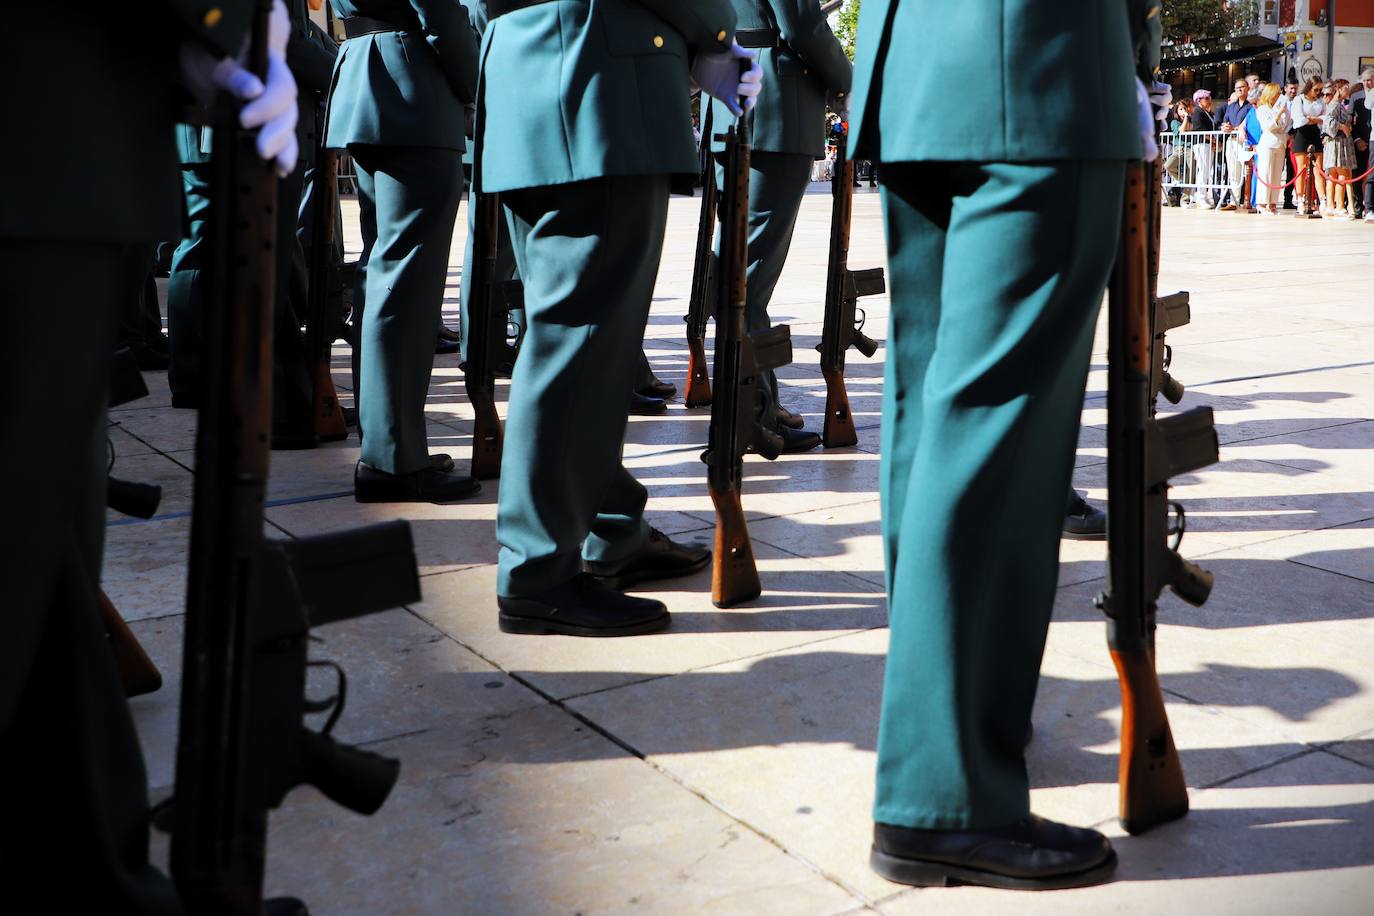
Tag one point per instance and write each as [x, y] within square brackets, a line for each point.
[243, 742]
[325, 288]
[701, 305]
[1143, 453]
[841, 328]
[740, 357]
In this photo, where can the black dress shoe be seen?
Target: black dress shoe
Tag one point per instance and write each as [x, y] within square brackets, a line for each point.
[1033, 854]
[441, 462]
[443, 346]
[646, 407]
[658, 389]
[789, 419]
[426, 485]
[447, 333]
[1083, 521]
[582, 607]
[798, 440]
[659, 558]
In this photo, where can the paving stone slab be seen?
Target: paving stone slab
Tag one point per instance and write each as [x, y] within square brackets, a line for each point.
[404, 676]
[800, 604]
[533, 813]
[1296, 837]
[144, 570]
[1278, 644]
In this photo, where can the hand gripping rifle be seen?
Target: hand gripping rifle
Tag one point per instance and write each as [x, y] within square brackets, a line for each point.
[243, 743]
[1142, 454]
[735, 425]
[487, 352]
[841, 330]
[325, 289]
[702, 303]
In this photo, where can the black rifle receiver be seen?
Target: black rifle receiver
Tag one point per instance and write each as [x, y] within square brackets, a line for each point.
[243, 743]
[841, 328]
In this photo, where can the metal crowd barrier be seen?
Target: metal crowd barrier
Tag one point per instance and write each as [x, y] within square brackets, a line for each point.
[1195, 164]
[347, 178]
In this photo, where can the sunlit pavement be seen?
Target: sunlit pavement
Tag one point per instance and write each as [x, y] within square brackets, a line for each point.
[726, 766]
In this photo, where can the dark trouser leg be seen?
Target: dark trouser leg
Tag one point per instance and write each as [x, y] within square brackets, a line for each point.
[777, 184]
[186, 292]
[415, 192]
[292, 387]
[588, 253]
[134, 320]
[77, 808]
[978, 425]
[644, 373]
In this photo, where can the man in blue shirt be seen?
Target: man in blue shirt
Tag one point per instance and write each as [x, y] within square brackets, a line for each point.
[1238, 107]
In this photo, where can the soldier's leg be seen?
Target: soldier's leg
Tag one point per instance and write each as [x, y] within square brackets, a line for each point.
[185, 291]
[416, 193]
[588, 253]
[292, 387]
[993, 425]
[78, 807]
[367, 227]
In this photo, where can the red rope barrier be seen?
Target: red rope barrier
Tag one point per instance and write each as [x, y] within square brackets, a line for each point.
[1297, 173]
[1321, 173]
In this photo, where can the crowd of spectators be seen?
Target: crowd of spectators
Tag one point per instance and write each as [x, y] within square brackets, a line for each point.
[1267, 135]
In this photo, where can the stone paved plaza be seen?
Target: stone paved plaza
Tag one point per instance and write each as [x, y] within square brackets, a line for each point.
[726, 766]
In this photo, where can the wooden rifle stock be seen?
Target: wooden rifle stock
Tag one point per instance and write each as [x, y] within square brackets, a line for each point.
[1150, 776]
[734, 575]
[703, 276]
[137, 672]
[328, 415]
[486, 315]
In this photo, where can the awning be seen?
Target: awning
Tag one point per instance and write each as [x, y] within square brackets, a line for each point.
[1248, 47]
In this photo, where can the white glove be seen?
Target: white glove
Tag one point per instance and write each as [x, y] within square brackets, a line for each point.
[718, 75]
[271, 107]
[1161, 97]
[1149, 149]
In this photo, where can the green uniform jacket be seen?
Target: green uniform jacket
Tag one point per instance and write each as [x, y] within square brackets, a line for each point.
[1001, 81]
[404, 88]
[115, 178]
[790, 114]
[592, 88]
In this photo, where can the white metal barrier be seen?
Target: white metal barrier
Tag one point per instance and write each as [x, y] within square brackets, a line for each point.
[1205, 166]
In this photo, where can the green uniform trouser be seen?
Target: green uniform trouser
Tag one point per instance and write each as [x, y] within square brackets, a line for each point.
[588, 253]
[185, 292]
[292, 388]
[412, 196]
[777, 184]
[997, 273]
[76, 800]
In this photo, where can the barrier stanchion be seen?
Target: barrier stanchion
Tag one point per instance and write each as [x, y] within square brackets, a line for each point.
[1246, 204]
[1308, 210]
